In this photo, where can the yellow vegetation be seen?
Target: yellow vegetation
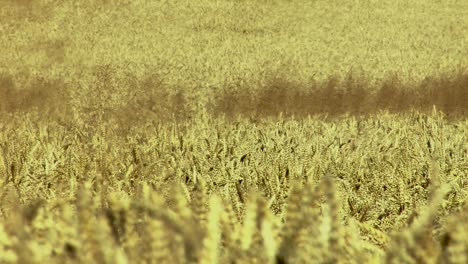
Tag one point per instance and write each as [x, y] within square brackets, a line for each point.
[221, 131]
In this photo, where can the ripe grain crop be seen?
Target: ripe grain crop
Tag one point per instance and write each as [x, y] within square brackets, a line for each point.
[233, 131]
[321, 201]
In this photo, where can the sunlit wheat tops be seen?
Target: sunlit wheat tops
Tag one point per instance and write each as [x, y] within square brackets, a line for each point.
[300, 198]
[238, 132]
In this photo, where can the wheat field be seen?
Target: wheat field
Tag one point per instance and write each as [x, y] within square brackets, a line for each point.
[222, 131]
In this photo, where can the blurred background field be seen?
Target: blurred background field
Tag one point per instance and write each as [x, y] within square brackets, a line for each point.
[206, 50]
[243, 131]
